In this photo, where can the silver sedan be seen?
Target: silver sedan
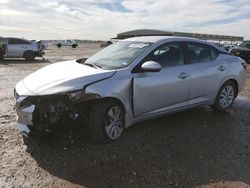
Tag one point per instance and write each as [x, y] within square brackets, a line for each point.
[129, 81]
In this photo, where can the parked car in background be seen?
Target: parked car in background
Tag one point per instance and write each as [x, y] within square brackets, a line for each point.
[72, 43]
[19, 48]
[105, 44]
[243, 51]
[228, 47]
[130, 81]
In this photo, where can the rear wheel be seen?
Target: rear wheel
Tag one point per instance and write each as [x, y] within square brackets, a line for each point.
[29, 56]
[107, 120]
[59, 45]
[74, 46]
[225, 97]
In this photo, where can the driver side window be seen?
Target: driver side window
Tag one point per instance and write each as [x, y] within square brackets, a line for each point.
[167, 55]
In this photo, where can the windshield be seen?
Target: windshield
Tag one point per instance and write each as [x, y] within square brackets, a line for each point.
[245, 45]
[118, 55]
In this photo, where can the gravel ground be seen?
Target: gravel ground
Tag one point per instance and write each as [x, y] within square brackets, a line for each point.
[196, 148]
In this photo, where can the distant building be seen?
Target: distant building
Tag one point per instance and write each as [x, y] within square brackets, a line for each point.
[149, 32]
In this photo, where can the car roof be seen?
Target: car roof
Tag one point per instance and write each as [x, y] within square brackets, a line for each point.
[155, 39]
[159, 38]
[15, 38]
[7, 38]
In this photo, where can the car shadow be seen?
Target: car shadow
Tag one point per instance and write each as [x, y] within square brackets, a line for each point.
[188, 149]
[22, 61]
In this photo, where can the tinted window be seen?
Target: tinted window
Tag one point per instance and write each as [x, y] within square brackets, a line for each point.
[199, 53]
[18, 41]
[2, 41]
[245, 45]
[167, 55]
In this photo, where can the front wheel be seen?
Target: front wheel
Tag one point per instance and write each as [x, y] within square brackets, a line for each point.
[225, 97]
[29, 56]
[107, 120]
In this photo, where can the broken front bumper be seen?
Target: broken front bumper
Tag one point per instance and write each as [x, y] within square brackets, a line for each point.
[40, 53]
[24, 116]
[46, 113]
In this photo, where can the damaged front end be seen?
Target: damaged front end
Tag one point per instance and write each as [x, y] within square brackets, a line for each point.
[44, 113]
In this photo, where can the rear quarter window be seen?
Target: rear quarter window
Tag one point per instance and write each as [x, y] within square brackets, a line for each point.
[201, 53]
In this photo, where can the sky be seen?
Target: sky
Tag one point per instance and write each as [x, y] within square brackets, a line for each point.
[103, 19]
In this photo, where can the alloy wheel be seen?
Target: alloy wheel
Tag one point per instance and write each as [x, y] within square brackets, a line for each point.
[114, 125]
[227, 96]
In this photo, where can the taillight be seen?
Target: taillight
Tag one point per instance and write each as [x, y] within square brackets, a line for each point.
[244, 65]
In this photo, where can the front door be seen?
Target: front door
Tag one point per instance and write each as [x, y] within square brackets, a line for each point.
[156, 92]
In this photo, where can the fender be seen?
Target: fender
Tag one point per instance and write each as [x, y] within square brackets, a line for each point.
[120, 89]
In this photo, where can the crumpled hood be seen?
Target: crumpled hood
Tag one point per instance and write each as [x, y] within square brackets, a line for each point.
[61, 77]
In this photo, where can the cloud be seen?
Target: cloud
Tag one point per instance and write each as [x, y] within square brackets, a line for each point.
[102, 19]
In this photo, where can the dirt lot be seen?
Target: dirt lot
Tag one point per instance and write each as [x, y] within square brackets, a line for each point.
[197, 148]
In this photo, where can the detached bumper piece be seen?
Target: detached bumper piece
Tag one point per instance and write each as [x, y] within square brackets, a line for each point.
[25, 116]
[23, 129]
[40, 53]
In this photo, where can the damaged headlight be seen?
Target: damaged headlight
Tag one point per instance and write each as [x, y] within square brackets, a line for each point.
[76, 95]
[80, 95]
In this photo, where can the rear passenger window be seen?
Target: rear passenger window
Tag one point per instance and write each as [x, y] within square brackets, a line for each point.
[199, 53]
[18, 41]
[167, 55]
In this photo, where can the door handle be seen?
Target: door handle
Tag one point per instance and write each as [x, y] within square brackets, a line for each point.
[183, 75]
[221, 68]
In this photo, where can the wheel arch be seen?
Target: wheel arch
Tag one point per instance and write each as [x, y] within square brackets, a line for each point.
[126, 107]
[116, 100]
[236, 84]
[216, 105]
[232, 79]
[26, 51]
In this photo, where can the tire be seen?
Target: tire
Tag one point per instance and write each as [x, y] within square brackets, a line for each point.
[59, 45]
[107, 120]
[225, 97]
[29, 56]
[74, 46]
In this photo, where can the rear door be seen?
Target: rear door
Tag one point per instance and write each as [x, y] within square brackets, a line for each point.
[16, 47]
[207, 72]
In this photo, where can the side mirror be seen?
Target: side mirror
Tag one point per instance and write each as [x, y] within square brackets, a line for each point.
[151, 66]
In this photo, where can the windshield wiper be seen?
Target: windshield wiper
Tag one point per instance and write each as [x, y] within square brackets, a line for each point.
[93, 65]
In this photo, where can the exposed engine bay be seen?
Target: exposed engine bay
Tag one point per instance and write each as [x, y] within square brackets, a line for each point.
[44, 113]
